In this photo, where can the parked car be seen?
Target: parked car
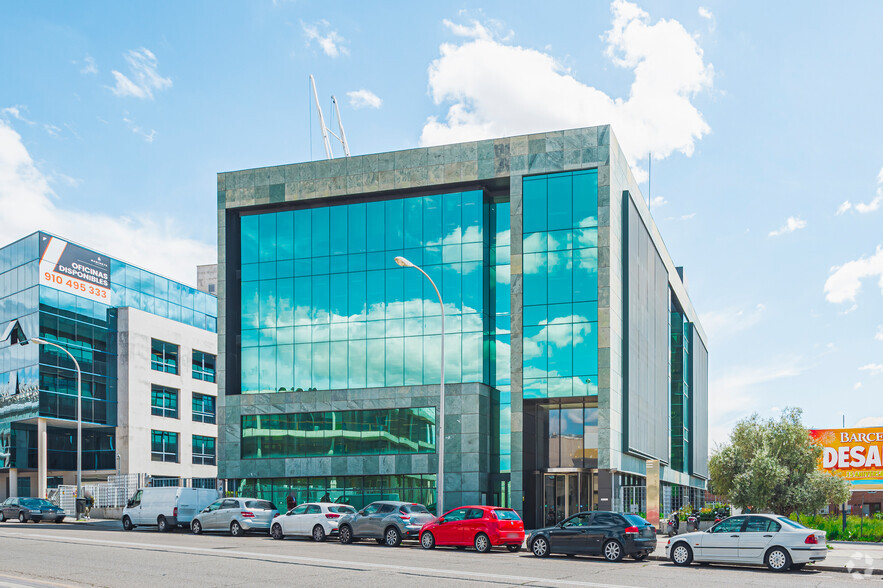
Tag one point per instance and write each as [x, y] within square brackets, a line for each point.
[235, 515]
[480, 526]
[613, 535]
[759, 539]
[166, 507]
[30, 509]
[387, 522]
[318, 520]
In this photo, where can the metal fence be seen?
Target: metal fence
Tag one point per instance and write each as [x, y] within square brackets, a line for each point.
[117, 491]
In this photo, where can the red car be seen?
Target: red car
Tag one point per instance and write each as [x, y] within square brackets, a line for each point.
[481, 526]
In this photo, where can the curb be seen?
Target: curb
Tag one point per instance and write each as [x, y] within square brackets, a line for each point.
[812, 566]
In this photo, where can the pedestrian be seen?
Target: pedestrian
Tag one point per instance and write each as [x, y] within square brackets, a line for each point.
[326, 498]
[90, 502]
[290, 501]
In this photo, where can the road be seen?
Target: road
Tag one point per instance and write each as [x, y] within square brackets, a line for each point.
[101, 554]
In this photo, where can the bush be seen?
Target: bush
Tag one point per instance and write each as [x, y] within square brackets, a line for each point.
[871, 529]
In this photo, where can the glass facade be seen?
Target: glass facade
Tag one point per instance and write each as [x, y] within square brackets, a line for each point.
[567, 436]
[163, 356]
[203, 366]
[560, 265]
[203, 450]
[164, 446]
[681, 372]
[324, 306]
[163, 401]
[203, 408]
[356, 432]
[357, 491]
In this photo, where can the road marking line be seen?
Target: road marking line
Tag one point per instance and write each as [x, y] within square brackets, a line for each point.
[314, 560]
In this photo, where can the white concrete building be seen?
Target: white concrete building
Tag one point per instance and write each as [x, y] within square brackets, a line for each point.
[167, 399]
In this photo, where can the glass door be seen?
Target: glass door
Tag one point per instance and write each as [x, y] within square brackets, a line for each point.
[566, 494]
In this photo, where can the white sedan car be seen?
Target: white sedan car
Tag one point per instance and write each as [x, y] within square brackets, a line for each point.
[311, 519]
[761, 539]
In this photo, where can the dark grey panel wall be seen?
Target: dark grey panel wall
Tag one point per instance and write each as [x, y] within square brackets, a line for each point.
[699, 393]
[646, 357]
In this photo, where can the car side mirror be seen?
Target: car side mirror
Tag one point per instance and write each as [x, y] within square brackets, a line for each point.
[130, 504]
[441, 520]
[361, 513]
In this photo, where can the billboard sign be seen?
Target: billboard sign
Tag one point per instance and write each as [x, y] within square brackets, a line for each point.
[853, 454]
[74, 269]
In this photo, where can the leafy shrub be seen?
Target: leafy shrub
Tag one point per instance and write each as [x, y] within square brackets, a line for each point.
[871, 529]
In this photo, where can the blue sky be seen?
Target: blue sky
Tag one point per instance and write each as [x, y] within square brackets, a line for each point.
[763, 119]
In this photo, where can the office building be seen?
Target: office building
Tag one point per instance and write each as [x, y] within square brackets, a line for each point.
[575, 364]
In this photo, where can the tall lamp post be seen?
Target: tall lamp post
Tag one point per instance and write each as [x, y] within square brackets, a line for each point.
[440, 483]
[40, 341]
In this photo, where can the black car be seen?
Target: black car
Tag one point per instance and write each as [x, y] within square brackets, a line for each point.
[613, 535]
[30, 509]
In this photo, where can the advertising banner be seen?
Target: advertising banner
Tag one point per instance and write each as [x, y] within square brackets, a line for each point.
[853, 454]
[71, 268]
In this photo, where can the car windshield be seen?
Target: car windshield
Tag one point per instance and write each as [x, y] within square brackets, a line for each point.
[414, 508]
[341, 509]
[35, 503]
[635, 519]
[506, 514]
[260, 504]
[791, 523]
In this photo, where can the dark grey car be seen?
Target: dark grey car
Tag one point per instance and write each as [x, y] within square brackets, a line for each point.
[30, 509]
[387, 522]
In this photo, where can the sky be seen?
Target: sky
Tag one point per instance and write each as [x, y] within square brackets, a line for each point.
[762, 121]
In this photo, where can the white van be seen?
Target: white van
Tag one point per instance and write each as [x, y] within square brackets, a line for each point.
[167, 507]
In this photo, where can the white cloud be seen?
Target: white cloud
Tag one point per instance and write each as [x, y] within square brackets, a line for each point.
[138, 130]
[498, 89]
[16, 112]
[683, 217]
[845, 280]
[872, 368]
[90, 67]
[144, 76]
[657, 202]
[739, 392]
[330, 42]
[364, 99]
[870, 422]
[28, 203]
[729, 321]
[871, 206]
[857, 386]
[792, 224]
[879, 335]
[709, 16]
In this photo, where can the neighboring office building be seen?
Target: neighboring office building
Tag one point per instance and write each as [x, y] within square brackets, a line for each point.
[574, 357]
[107, 313]
[207, 278]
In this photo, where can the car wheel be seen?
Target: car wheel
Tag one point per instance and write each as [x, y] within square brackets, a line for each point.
[482, 543]
[127, 524]
[639, 556]
[681, 554]
[540, 547]
[236, 529]
[346, 535]
[162, 525]
[318, 533]
[392, 537]
[2, 517]
[276, 532]
[514, 548]
[613, 550]
[427, 540]
[798, 567]
[22, 517]
[777, 559]
[196, 527]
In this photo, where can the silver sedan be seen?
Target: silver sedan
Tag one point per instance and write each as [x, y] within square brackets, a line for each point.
[236, 516]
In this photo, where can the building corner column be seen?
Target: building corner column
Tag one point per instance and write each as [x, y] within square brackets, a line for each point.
[42, 459]
[13, 482]
[653, 488]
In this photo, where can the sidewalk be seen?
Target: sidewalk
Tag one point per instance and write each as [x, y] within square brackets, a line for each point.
[863, 559]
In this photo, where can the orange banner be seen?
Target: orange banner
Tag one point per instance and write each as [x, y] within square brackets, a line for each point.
[853, 454]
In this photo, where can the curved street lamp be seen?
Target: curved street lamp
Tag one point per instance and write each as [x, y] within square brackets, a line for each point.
[40, 341]
[440, 483]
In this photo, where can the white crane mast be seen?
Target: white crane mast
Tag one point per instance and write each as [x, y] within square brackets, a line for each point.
[325, 130]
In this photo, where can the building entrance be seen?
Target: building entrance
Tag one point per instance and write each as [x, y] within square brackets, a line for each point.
[567, 493]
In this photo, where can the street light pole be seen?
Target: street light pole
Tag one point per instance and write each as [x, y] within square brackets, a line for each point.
[440, 483]
[39, 341]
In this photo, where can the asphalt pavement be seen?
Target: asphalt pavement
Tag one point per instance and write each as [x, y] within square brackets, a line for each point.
[99, 553]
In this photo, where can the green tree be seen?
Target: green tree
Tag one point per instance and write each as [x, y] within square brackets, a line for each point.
[771, 464]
